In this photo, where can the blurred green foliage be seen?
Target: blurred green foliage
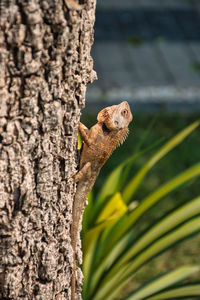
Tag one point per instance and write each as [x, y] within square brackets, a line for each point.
[135, 41]
[113, 228]
[196, 66]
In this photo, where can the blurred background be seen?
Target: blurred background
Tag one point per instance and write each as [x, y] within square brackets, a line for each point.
[147, 52]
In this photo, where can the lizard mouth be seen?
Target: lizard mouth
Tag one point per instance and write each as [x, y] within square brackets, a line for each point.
[105, 128]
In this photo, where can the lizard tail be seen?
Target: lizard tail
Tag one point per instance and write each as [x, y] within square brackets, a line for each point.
[73, 283]
[73, 241]
[76, 215]
[79, 202]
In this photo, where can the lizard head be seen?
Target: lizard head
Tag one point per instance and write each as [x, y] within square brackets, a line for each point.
[116, 117]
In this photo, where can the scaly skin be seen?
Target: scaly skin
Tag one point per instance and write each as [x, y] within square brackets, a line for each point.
[99, 143]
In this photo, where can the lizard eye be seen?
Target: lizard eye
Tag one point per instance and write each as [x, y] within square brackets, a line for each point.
[124, 113]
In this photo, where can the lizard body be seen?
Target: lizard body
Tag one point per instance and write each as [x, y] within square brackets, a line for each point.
[99, 143]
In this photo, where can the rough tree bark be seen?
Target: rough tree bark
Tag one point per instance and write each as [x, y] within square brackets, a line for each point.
[45, 64]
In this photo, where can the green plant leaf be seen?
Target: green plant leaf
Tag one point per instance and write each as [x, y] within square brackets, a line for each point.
[164, 281]
[191, 290]
[116, 279]
[114, 209]
[136, 180]
[111, 185]
[130, 219]
[88, 213]
[166, 224]
[106, 263]
[88, 267]
[79, 146]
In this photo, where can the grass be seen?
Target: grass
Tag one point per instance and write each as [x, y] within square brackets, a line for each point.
[163, 127]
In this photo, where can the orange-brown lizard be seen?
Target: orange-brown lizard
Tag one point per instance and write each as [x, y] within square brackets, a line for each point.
[99, 142]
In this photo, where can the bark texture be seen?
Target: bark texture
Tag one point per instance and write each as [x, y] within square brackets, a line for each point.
[45, 65]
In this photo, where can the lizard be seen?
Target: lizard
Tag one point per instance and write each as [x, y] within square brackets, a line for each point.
[98, 144]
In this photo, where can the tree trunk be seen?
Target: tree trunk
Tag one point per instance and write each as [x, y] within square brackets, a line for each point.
[45, 65]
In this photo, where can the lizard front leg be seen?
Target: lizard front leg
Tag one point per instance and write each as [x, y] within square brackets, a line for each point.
[84, 133]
